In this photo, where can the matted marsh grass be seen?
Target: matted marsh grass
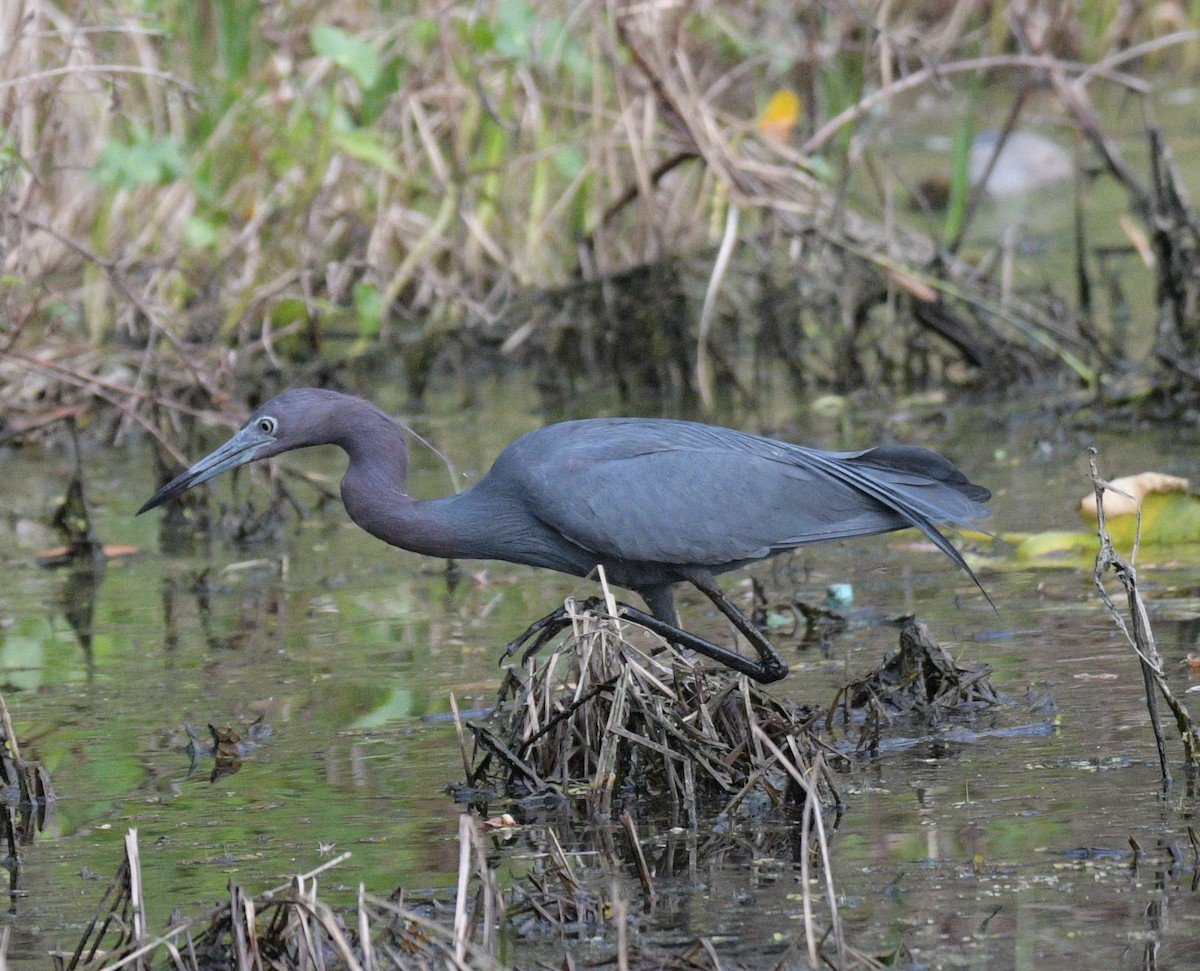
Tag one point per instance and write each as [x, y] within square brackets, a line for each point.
[614, 714]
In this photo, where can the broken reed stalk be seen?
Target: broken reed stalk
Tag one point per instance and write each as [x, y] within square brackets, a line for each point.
[1142, 637]
[137, 902]
[635, 844]
[9, 737]
[488, 906]
[809, 783]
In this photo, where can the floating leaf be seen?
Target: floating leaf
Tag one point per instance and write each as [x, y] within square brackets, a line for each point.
[1170, 522]
[1126, 494]
[1168, 519]
[1069, 548]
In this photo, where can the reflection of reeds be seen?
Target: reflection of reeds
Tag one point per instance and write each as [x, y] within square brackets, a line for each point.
[26, 803]
[567, 898]
[288, 925]
[291, 927]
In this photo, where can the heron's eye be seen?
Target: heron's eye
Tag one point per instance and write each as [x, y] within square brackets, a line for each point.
[267, 425]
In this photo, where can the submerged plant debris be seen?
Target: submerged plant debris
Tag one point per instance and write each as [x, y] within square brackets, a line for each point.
[27, 800]
[922, 680]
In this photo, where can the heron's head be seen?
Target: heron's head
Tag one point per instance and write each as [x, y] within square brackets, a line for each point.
[294, 419]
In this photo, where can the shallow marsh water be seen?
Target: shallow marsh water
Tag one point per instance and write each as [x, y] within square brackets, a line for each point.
[1009, 851]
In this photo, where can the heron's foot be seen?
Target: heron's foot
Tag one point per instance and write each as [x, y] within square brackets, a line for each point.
[540, 631]
[544, 630]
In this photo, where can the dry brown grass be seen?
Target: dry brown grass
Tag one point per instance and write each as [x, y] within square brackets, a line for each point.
[614, 714]
[268, 217]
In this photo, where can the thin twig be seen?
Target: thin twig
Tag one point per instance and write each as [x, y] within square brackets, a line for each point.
[1141, 639]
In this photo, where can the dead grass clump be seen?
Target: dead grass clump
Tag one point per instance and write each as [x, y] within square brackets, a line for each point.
[263, 197]
[289, 927]
[612, 714]
[921, 679]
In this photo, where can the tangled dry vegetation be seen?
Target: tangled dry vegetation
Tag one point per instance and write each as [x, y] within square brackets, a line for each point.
[619, 715]
[197, 211]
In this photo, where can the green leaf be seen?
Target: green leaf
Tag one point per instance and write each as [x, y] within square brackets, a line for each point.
[145, 161]
[201, 233]
[375, 98]
[368, 305]
[569, 161]
[366, 147]
[424, 31]
[515, 23]
[352, 54]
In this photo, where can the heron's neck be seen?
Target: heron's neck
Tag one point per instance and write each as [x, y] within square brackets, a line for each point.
[375, 493]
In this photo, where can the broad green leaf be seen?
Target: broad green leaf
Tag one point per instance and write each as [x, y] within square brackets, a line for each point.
[366, 147]
[352, 54]
[368, 305]
[201, 233]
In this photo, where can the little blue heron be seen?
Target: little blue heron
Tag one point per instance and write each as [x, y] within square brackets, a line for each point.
[654, 502]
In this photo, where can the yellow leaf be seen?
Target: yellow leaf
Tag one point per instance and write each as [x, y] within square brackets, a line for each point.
[780, 115]
[1130, 492]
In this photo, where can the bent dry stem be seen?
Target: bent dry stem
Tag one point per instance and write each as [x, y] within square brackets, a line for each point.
[1141, 639]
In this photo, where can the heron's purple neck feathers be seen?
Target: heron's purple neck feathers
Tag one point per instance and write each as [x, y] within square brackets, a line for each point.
[375, 493]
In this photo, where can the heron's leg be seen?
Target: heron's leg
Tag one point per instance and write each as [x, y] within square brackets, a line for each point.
[771, 665]
[770, 668]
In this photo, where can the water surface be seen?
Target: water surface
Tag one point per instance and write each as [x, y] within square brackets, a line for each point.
[1004, 852]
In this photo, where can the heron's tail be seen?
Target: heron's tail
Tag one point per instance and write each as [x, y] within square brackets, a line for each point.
[921, 487]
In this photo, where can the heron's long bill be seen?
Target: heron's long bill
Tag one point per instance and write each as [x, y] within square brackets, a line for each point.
[239, 450]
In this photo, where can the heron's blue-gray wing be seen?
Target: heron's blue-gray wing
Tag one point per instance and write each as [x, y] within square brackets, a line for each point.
[681, 493]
